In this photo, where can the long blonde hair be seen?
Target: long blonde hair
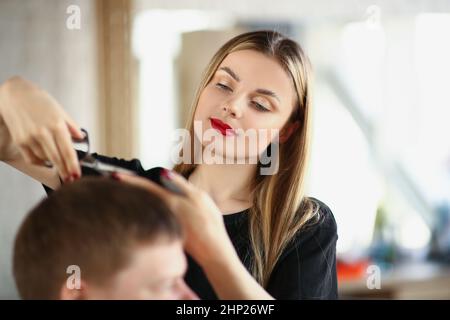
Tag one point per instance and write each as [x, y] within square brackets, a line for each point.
[280, 208]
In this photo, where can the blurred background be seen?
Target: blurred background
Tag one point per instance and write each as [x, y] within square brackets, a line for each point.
[127, 72]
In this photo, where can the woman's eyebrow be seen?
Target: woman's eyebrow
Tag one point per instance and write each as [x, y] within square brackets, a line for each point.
[268, 93]
[231, 73]
[261, 91]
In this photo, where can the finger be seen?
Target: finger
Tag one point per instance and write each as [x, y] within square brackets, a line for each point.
[146, 184]
[184, 185]
[37, 150]
[74, 129]
[69, 155]
[48, 144]
[29, 156]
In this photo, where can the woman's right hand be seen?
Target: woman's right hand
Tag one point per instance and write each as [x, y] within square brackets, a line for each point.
[39, 128]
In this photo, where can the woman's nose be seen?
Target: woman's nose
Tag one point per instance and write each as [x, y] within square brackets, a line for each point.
[234, 109]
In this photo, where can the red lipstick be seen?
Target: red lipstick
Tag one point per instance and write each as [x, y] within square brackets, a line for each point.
[224, 128]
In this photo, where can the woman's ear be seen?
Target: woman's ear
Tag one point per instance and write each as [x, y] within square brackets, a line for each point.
[288, 131]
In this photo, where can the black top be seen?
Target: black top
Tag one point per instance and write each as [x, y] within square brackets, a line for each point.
[305, 270]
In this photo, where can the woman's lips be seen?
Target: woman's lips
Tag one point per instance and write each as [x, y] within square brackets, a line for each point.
[224, 128]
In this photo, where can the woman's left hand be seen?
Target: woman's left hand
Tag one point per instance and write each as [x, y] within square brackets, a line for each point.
[202, 221]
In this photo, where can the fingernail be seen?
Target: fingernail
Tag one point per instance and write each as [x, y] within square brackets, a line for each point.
[75, 176]
[68, 179]
[115, 176]
[167, 174]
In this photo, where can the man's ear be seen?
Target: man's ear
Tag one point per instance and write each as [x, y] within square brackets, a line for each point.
[289, 130]
[67, 293]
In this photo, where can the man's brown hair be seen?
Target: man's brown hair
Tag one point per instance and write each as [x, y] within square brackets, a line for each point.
[93, 223]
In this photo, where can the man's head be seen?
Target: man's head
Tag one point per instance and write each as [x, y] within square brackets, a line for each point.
[100, 239]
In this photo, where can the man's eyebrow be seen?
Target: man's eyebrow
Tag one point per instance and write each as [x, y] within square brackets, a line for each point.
[261, 91]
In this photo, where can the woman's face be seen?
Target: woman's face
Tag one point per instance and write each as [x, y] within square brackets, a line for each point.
[248, 91]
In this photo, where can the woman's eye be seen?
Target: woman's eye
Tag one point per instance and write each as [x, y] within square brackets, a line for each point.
[260, 107]
[224, 87]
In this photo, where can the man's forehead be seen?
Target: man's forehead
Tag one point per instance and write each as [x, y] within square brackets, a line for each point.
[162, 257]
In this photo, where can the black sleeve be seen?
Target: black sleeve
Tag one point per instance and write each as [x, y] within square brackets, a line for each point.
[133, 165]
[307, 268]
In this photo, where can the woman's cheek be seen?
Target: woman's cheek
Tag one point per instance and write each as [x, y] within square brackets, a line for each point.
[202, 109]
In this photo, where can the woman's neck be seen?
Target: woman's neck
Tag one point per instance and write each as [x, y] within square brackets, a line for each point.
[227, 184]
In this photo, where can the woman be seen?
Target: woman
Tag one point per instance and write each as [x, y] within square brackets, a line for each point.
[249, 236]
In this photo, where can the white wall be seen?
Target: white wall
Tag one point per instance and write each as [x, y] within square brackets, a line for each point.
[35, 43]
